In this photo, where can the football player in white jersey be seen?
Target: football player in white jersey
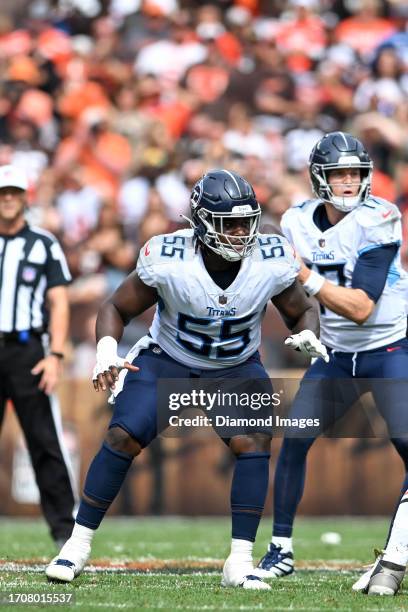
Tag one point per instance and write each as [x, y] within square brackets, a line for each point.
[349, 241]
[211, 285]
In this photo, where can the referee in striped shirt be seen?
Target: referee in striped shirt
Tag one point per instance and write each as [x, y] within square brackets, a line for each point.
[33, 300]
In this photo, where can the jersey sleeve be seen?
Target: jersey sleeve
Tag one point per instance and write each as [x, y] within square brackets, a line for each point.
[285, 266]
[371, 270]
[378, 226]
[56, 269]
[148, 266]
[285, 225]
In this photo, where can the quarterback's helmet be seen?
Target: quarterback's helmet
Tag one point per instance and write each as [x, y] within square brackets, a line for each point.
[216, 198]
[339, 150]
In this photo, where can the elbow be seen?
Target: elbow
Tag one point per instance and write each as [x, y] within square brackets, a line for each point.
[361, 314]
[359, 319]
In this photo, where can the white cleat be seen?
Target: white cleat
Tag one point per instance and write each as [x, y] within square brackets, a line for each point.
[275, 563]
[238, 573]
[69, 562]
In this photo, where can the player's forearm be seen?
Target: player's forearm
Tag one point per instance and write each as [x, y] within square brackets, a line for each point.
[297, 310]
[354, 304]
[308, 320]
[109, 322]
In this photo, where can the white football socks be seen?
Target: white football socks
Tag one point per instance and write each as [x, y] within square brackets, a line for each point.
[285, 543]
[397, 547]
[82, 536]
[242, 548]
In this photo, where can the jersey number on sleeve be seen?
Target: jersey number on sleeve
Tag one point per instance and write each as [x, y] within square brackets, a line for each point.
[170, 248]
[226, 336]
[271, 247]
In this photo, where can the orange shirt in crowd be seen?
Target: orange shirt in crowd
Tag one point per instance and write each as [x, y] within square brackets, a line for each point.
[307, 36]
[383, 186]
[229, 47]
[363, 36]
[74, 101]
[174, 115]
[251, 5]
[104, 161]
[55, 45]
[23, 68]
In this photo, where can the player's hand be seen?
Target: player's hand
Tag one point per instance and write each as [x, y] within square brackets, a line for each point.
[304, 271]
[307, 343]
[51, 369]
[106, 374]
[108, 364]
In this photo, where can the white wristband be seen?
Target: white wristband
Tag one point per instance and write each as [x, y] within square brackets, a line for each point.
[314, 283]
[107, 346]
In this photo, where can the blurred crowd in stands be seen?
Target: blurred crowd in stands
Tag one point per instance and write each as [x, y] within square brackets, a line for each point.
[116, 107]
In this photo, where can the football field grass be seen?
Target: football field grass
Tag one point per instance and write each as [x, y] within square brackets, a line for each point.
[174, 564]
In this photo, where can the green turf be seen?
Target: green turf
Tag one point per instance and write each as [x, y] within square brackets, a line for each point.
[189, 539]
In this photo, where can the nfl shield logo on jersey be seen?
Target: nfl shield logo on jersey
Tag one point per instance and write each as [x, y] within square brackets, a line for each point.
[28, 274]
[322, 242]
[222, 299]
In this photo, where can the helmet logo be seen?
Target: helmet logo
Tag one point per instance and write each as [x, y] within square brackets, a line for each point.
[237, 210]
[345, 160]
[196, 194]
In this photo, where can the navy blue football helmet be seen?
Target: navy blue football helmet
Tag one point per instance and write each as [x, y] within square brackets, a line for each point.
[221, 195]
[339, 150]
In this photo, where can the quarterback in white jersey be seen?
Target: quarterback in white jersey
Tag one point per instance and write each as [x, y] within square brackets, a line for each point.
[211, 285]
[333, 254]
[349, 244]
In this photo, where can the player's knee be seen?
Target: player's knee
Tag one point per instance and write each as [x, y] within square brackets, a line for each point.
[119, 440]
[295, 449]
[254, 443]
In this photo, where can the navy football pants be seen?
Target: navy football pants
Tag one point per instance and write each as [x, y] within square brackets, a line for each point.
[136, 405]
[387, 369]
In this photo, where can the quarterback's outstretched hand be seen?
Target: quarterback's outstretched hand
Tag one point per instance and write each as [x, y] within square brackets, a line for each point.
[108, 364]
[307, 343]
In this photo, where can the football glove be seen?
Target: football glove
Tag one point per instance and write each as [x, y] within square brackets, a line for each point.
[307, 343]
[107, 356]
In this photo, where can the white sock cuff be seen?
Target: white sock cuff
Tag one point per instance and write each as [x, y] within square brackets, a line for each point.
[83, 533]
[241, 546]
[285, 543]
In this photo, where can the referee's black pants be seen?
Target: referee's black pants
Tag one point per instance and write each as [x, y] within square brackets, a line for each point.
[36, 413]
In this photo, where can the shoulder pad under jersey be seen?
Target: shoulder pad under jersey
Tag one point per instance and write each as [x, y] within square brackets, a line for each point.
[161, 251]
[377, 211]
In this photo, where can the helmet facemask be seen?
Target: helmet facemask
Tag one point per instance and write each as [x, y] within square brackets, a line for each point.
[319, 174]
[214, 236]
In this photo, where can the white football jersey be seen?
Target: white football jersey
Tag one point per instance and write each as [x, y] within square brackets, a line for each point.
[198, 323]
[334, 253]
